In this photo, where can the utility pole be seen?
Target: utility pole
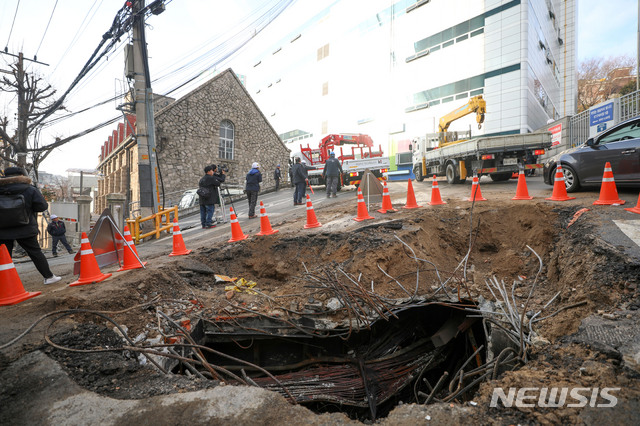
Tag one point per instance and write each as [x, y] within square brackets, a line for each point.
[145, 126]
[23, 109]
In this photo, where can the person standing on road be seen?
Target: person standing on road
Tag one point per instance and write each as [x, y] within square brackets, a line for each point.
[18, 218]
[57, 230]
[277, 175]
[331, 174]
[254, 177]
[208, 195]
[299, 179]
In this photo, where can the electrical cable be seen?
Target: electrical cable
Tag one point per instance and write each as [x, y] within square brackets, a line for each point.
[12, 23]
[46, 29]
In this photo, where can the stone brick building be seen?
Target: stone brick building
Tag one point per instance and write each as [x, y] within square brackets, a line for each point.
[217, 123]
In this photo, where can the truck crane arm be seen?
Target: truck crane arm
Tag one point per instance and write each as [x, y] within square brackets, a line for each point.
[476, 104]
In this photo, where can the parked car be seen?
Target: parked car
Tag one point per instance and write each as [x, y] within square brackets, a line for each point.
[584, 164]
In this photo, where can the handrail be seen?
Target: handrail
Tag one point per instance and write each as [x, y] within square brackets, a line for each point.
[159, 225]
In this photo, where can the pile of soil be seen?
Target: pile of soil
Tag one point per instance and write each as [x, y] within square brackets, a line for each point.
[516, 243]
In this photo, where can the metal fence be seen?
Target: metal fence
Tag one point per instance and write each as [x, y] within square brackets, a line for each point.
[627, 107]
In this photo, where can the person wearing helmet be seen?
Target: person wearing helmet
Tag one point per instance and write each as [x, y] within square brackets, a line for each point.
[254, 177]
[331, 174]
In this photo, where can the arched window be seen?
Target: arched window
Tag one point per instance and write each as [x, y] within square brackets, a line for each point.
[226, 140]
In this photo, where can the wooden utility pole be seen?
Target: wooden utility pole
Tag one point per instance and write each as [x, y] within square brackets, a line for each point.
[145, 126]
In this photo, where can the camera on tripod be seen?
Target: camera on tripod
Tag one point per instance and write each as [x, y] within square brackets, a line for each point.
[220, 168]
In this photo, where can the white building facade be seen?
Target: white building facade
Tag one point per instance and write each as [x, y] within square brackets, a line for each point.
[392, 69]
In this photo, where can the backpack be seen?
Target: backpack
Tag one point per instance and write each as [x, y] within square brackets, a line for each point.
[14, 210]
[204, 191]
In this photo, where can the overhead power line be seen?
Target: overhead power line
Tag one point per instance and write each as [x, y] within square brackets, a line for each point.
[46, 29]
[12, 23]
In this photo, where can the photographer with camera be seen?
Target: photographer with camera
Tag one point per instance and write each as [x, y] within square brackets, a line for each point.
[208, 193]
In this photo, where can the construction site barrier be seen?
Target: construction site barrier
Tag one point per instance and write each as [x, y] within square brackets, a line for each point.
[160, 224]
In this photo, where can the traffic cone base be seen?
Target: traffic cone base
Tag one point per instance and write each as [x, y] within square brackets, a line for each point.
[363, 213]
[89, 269]
[411, 198]
[608, 191]
[559, 187]
[179, 248]
[236, 230]
[635, 209]
[436, 199]
[312, 221]
[129, 253]
[476, 193]
[265, 225]
[522, 193]
[11, 291]
[386, 200]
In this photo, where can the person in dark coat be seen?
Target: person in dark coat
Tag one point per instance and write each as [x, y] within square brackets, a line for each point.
[210, 182]
[16, 181]
[57, 230]
[254, 177]
[331, 174]
[277, 175]
[299, 179]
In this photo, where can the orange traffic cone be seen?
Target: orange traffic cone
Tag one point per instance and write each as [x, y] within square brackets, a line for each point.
[411, 198]
[363, 213]
[559, 188]
[635, 209]
[436, 199]
[179, 248]
[236, 230]
[11, 290]
[265, 225]
[129, 253]
[312, 221]
[476, 193]
[89, 269]
[608, 191]
[522, 193]
[386, 200]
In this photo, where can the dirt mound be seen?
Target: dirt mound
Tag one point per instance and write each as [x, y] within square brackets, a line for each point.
[415, 253]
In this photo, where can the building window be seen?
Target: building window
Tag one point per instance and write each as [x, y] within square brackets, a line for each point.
[325, 88]
[226, 140]
[325, 127]
[323, 52]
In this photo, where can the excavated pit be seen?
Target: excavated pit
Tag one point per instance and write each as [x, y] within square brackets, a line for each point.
[343, 298]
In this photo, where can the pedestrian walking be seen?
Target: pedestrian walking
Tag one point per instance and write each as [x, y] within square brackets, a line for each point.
[57, 230]
[209, 195]
[277, 175]
[299, 179]
[254, 177]
[331, 174]
[20, 202]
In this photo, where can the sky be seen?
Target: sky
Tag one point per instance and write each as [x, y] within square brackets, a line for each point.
[184, 41]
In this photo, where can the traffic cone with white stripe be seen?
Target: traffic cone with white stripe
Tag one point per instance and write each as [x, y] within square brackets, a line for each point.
[363, 212]
[131, 260]
[386, 200]
[89, 269]
[522, 193]
[312, 221]
[559, 187]
[236, 230]
[11, 289]
[411, 198]
[179, 248]
[476, 193]
[608, 191]
[635, 209]
[265, 225]
[436, 199]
